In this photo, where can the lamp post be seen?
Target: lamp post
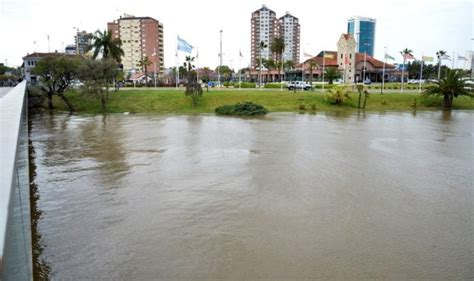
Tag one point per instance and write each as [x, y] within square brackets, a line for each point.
[365, 60]
[154, 60]
[220, 59]
[383, 70]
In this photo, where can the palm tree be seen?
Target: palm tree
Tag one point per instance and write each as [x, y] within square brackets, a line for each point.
[312, 65]
[405, 53]
[103, 43]
[289, 64]
[449, 87]
[262, 46]
[143, 64]
[440, 54]
[331, 74]
[277, 47]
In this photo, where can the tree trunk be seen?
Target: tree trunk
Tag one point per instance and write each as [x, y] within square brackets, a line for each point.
[447, 101]
[103, 102]
[69, 105]
[50, 101]
[311, 77]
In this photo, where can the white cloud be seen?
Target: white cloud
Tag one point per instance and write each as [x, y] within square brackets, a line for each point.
[425, 26]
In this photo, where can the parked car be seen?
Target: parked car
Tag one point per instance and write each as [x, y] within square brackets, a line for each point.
[367, 81]
[298, 85]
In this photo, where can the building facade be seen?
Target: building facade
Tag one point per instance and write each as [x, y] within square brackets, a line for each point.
[264, 27]
[346, 55]
[289, 30]
[363, 29]
[83, 41]
[141, 37]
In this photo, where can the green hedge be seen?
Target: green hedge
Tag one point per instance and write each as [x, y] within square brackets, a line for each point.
[275, 85]
[247, 85]
[242, 109]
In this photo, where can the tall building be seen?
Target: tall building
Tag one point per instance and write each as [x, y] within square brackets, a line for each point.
[289, 28]
[264, 27]
[83, 40]
[346, 55]
[141, 37]
[363, 29]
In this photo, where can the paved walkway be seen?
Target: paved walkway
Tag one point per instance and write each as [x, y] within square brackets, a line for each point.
[4, 91]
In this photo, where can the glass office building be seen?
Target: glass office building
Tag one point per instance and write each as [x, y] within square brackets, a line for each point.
[363, 30]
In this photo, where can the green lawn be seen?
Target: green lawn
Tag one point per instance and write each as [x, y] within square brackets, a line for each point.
[166, 101]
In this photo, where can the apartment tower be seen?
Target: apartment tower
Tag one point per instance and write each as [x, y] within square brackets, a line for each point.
[264, 27]
[289, 29]
[141, 37]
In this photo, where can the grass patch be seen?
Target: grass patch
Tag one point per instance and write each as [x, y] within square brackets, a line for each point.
[166, 101]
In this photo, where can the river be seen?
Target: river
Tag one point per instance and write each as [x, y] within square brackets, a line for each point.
[326, 196]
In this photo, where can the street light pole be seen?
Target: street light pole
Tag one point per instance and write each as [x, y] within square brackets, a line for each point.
[154, 59]
[220, 59]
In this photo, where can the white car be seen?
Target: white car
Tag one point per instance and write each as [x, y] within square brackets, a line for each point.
[298, 85]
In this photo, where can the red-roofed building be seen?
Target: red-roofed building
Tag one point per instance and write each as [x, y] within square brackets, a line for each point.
[30, 61]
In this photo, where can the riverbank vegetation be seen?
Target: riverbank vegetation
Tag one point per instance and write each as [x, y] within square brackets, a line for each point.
[170, 101]
[242, 109]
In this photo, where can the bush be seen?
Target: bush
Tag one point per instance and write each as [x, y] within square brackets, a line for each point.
[302, 107]
[242, 109]
[313, 107]
[248, 85]
[274, 85]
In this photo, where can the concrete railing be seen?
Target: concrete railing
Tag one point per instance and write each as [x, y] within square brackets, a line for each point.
[15, 218]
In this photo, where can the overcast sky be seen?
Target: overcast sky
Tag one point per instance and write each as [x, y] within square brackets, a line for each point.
[424, 26]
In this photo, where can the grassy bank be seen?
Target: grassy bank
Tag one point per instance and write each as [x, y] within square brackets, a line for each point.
[166, 101]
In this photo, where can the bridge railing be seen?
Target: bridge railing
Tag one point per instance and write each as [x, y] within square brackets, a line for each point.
[15, 218]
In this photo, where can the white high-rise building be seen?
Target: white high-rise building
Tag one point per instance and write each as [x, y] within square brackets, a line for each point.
[290, 31]
[264, 27]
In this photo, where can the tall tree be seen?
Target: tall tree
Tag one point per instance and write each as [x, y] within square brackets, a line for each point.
[440, 54]
[277, 47]
[193, 88]
[144, 63]
[331, 74]
[225, 71]
[56, 74]
[449, 88]
[405, 53]
[96, 76]
[312, 65]
[108, 47]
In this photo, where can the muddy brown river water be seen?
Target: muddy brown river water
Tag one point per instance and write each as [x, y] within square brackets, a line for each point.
[330, 196]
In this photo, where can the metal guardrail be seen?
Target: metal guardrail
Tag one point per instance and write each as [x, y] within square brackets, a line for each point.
[15, 218]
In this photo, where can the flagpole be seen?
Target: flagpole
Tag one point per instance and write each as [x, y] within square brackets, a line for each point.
[154, 58]
[421, 72]
[454, 57]
[197, 66]
[302, 75]
[177, 67]
[220, 58]
[403, 72]
[324, 65]
[240, 69]
[383, 71]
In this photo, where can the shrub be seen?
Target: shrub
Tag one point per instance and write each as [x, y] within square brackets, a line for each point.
[248, 85]
[302, 107]
[313, 107]
[338, 95]
[274, 85]
[242, 109]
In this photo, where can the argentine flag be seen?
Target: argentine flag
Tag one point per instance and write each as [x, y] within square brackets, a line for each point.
[184, 46]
